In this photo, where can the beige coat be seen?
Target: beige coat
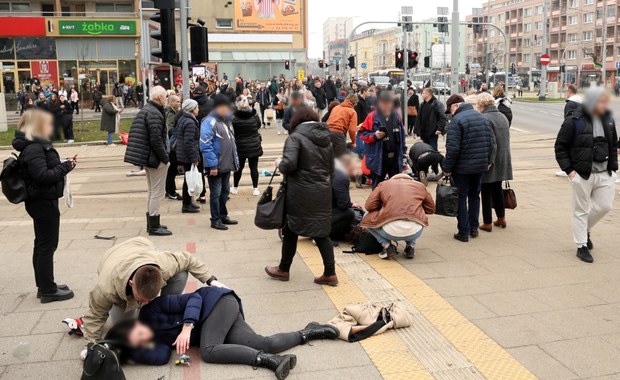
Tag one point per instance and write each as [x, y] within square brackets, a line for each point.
[357, 317]
[116, 267]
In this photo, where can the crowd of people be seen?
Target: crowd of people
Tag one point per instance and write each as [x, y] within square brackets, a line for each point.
[329, 126]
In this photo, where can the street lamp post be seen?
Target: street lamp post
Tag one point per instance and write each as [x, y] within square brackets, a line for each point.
[543, 75]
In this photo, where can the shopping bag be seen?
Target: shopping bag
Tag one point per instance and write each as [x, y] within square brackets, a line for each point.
[269, 113]
[193, 177]
[447, 199]
[270, 211]
[510, 198]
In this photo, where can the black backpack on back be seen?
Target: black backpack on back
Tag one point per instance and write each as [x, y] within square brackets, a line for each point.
[102, 362]
[13, 185]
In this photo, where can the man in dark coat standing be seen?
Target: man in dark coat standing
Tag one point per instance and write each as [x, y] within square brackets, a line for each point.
[148, 148]
[320, 97]
[573, 101]
[470, 152]
[431, 121]
[331, 93]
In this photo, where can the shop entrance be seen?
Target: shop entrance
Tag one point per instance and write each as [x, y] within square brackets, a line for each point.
[104, 73]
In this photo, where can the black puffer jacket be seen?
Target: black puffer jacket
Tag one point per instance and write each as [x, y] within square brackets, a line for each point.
[41, 168]
[470, 144]
[205, 105]
[188, 138]
[148, 138]
[430, 119]
[575, 150]
[246, 125]
[308, 166]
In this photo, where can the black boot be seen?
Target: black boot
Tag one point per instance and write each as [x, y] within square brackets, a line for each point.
[148, 225]
[155, 228]
[281, 365]
[314, 331]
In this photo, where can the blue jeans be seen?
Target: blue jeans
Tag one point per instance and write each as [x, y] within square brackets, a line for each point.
[219, 188]
[469, 201]
[385, 239]
[110, 138]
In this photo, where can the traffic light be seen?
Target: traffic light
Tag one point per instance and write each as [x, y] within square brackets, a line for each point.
[562, 68]
[351, 63]
[467, 70]
[513, 69]
[337, 65]
[412, 62]
[494, 69]
[400, 60]
[287, 65]
[427, 62]
[199, 44]
[442, 24]
[321, 63]
[475, 23]
[167, 51]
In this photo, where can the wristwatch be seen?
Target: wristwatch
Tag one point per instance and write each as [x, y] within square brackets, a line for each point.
[211, 279]
[189, 324]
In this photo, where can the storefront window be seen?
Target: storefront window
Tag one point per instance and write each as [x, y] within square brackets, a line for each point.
[23, 65]
[127, 72]
[68, 72]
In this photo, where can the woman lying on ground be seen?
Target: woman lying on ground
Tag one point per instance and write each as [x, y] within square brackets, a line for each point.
[212, 319]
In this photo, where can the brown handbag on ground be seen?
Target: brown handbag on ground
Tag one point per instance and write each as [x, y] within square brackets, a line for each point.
[510, 198]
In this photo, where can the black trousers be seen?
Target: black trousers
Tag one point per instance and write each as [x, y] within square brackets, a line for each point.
[67, 129]
[76, 107]
[390, 168]
[171, 186]
[253, 164]
[226, 338]
[433, 159]
[339, 142]
[492, 196]
[289, 248]
[341, 223]
[46, 219]
[410, 124]
[97, 105]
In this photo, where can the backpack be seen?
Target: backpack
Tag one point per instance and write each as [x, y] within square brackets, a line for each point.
[102, 362]
[363, 242]
[13, 185]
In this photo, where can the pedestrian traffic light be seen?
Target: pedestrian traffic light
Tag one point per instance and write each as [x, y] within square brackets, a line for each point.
[167, 51]
[351, 63]
[427, 62]
[467, 70]
[412, 62]
[400, 60]
[442, 24]
[287, 65]
[321, 63]
[199, 44]
[513, 69]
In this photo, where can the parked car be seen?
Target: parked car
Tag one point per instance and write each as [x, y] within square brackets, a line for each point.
[441, 88]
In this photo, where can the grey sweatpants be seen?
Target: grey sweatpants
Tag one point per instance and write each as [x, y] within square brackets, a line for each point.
[226, 338]
[593, 198]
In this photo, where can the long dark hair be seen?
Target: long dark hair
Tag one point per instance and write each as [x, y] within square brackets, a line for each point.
[120, 333]
[302, 115]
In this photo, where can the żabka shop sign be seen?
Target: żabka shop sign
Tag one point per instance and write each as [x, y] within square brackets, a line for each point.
[97, 27]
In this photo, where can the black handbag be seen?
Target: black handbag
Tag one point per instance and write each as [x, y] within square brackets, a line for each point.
[102, 362]
[447, 199]
[270, 211]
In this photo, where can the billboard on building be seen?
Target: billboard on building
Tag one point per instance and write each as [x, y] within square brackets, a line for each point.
[268, 15]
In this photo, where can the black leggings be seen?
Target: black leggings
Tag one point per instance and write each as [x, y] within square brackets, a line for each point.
[289, 248]
[492, 197]
[253, 164]
[226, 338]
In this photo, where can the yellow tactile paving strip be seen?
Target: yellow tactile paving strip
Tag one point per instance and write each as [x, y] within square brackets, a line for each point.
[486, 355]
[389, 353]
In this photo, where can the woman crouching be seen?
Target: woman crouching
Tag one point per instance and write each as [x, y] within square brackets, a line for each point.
[212, 319]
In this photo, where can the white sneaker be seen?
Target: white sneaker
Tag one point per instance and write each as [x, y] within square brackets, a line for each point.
[70, 141]
[255, 192]
[561, 173]
[234, 191]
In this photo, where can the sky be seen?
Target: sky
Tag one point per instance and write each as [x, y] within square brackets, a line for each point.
[372, 10]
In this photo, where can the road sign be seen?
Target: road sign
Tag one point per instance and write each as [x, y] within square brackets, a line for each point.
[301, 74]
[364, 65]
[545, 59]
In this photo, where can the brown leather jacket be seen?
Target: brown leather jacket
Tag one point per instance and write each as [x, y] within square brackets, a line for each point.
[400, 198]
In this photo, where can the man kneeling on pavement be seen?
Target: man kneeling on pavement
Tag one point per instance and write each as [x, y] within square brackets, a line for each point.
[132, 274]
[423, 156]
[393, 217]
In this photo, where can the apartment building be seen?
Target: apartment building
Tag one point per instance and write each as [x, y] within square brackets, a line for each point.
[363, 44]
[335, 29]
[575, 30]
[73, 42]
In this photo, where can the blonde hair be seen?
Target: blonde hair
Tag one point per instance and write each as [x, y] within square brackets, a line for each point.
[471, 99]
[485, 100]
[32, 121]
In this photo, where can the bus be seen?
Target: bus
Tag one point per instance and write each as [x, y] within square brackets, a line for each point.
[396, 75]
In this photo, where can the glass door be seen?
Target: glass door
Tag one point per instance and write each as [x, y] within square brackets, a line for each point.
[9, 82]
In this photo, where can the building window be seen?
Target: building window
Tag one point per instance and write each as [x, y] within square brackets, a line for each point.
[572, 37]
[224, 23]
[114, 8]
[527, 58]
[527, 42]
[527, 12]
[618, 51]
[571, 54]
[14, 7]
[573, 20]
[539, 10]
[588, 18]
[539, 25]
[527, 27]
[587, 36]
[500, 17]
[573, 3]
[589, 2]
[492, 33]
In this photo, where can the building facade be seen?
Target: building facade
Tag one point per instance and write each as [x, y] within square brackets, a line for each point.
[252, 41]
[363, 44]
[576, 33]
[335, 29]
